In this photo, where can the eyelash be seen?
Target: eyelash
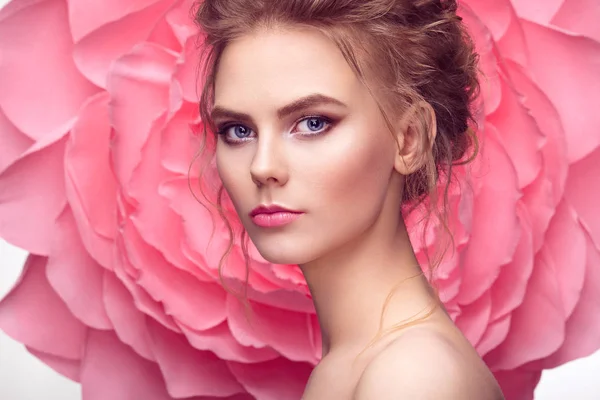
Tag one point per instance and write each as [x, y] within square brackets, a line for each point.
[222, 130]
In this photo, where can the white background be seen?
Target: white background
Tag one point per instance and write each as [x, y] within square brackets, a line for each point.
[23, 377]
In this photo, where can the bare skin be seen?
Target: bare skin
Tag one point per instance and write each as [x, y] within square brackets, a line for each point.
[336, 162]
[416, 354]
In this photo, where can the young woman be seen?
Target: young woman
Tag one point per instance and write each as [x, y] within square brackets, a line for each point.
[330, 117]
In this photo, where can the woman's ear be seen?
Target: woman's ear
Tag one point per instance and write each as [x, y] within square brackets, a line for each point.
[415, 135]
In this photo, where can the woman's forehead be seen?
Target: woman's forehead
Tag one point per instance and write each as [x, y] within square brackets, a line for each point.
[283, 65]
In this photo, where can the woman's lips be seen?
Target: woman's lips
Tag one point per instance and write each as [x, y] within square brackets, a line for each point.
[273, 215]
[280, 218]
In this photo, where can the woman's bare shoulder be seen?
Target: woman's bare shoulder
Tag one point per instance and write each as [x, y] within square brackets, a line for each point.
[425, 364]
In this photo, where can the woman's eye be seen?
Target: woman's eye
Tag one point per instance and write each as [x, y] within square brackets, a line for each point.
[235, 133]
[240, 131]
[313, 125]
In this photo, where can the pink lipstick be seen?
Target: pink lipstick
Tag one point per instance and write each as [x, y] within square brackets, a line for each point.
[273, 216]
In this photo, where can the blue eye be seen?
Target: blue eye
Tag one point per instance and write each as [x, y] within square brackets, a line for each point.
[235, 133]
[240, 131]
[308, 126]
[313, 124]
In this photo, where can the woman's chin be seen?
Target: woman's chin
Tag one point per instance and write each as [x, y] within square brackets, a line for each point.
[278, 257]
[283, 255]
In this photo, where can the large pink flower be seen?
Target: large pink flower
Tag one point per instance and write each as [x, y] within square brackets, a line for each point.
[121, 291]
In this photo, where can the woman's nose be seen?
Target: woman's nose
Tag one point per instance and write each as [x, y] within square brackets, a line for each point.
[268, 165]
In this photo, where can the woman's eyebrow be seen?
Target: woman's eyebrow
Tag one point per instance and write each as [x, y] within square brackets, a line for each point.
[224, 113]
[295, 106]
[307, 102]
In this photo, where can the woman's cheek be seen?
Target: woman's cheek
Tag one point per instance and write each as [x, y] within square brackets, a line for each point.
[233, 171]
[354, 177]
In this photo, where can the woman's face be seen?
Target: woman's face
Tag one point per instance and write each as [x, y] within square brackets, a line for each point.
[298, 130]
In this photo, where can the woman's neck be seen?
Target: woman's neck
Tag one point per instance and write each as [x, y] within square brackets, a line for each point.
[349, 288]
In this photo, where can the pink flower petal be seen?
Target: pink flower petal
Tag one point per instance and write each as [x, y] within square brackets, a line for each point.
[85, 17]
[32, 195]
[292, 300]
[139, 87]
[488, 55]
[95, 53]
[565, 244]
[273, 380]
[495, 16]
[129, 322]
[579, 59]
[33, 307]
[448, 282]
[536, 11]
[510, 288]
[315, 336]
[189, 73]
[494, 335]
[239, 324]
[512, 46]
[200, 305]
[14, 143]
[179, 144]
[189, 372]
[75, 276]
[474, 318]
[153, 209]
[583, 193]
[179, 19]
[496, 198]
[201, 245]
[263, 281]
[541, 315]
[520, 135]
[543, 195]
[162, 34]
[518, 384]
[90, 182]
[580, 16]
[286, 331]
[128, 275]
[583, 326]
[13, 7]
[111, 370]
[64, 366]
[220, 341]
[291, 274]
[55, 91]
